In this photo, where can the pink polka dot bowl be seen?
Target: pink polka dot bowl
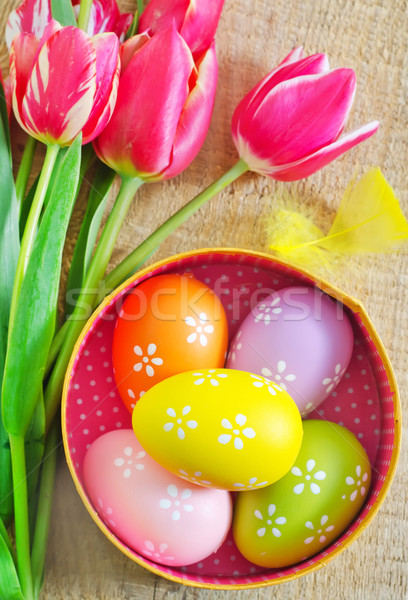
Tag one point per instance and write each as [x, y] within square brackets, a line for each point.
[365, 401]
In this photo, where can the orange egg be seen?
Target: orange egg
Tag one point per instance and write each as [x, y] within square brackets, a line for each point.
[168, 324]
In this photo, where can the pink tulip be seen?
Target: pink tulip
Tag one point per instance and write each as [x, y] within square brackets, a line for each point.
[163, 110]
[64, 83]
[33, 16]
[195, 21]
[288, 126]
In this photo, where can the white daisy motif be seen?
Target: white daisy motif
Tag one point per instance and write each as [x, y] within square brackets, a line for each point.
[176, 503]
[201, 329]
[195, 478]
[270, 385]
[269, 521]
[209, 376]
[248, 432]
[319, 532]
[267, 310]
[331, 382]
[252, 484]
[235, 347]
[179, 421]
[130, 460]
[105, 513]
[359, 482]
[318, 475]
[280, 375]
[156, 553]
[147, 359]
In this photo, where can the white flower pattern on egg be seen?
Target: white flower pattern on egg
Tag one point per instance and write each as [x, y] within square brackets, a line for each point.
[201, 329]
[236, 347]
[248, 432]
[331, 382]
[191, 424]
[195, 478]
[210, 376]
[269, 521]
[175, 502]
[106, 513]
[279, 375]
[358, 482]
[151, 551]
[318, 475]
[266, 311]
[320, 531]
[147, 359]
[127, 461]
[252, 484]
[260, 382]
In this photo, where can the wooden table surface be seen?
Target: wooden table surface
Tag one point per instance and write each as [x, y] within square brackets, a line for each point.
[371, 36]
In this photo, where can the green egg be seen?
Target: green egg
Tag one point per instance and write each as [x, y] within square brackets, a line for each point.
[311, 505]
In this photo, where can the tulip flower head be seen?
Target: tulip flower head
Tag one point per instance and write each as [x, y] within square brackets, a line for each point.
[33, 16]
[195, 21]
[64, 83]
[289, 125]
[163, 110]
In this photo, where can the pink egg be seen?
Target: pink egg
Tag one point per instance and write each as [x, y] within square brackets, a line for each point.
[298, 337]
[163, 517]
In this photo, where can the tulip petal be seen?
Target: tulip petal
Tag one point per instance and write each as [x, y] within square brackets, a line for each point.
[196, 21]
[107, 79]
[22, 55]
[299, 116]
[309, 165]
[152, 92]
[200, 25]
[310, 65]
[31, 16]
[130, 47]
[160, 14]
[196, 116]
[58, 102]
[296, 54]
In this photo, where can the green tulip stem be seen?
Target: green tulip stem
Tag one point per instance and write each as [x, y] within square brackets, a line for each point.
[142, 252]
[21, 515]
[84, 14]
[30, 230]
[24, 170]
[89, 293]
[42, 523]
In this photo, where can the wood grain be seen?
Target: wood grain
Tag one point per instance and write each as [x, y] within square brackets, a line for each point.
[370, 36]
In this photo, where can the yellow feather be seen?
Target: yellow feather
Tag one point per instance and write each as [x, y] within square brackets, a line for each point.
[369, 219]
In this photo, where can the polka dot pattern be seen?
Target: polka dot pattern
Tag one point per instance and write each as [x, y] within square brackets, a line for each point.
[363, 400]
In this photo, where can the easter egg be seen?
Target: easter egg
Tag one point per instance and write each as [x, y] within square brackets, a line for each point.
[298, 337]
[238, 430]
[311, 505]
[167, 324]
[163, 517]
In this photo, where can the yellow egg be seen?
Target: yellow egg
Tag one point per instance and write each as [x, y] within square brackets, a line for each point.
[220, 428]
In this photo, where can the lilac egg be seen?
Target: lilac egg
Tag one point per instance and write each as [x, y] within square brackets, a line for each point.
[298, 337]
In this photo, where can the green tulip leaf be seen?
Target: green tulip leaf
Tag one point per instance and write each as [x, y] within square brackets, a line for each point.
[9, 249]
[33, 328]
[85, 244]
[9, 584]
[63, 12]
